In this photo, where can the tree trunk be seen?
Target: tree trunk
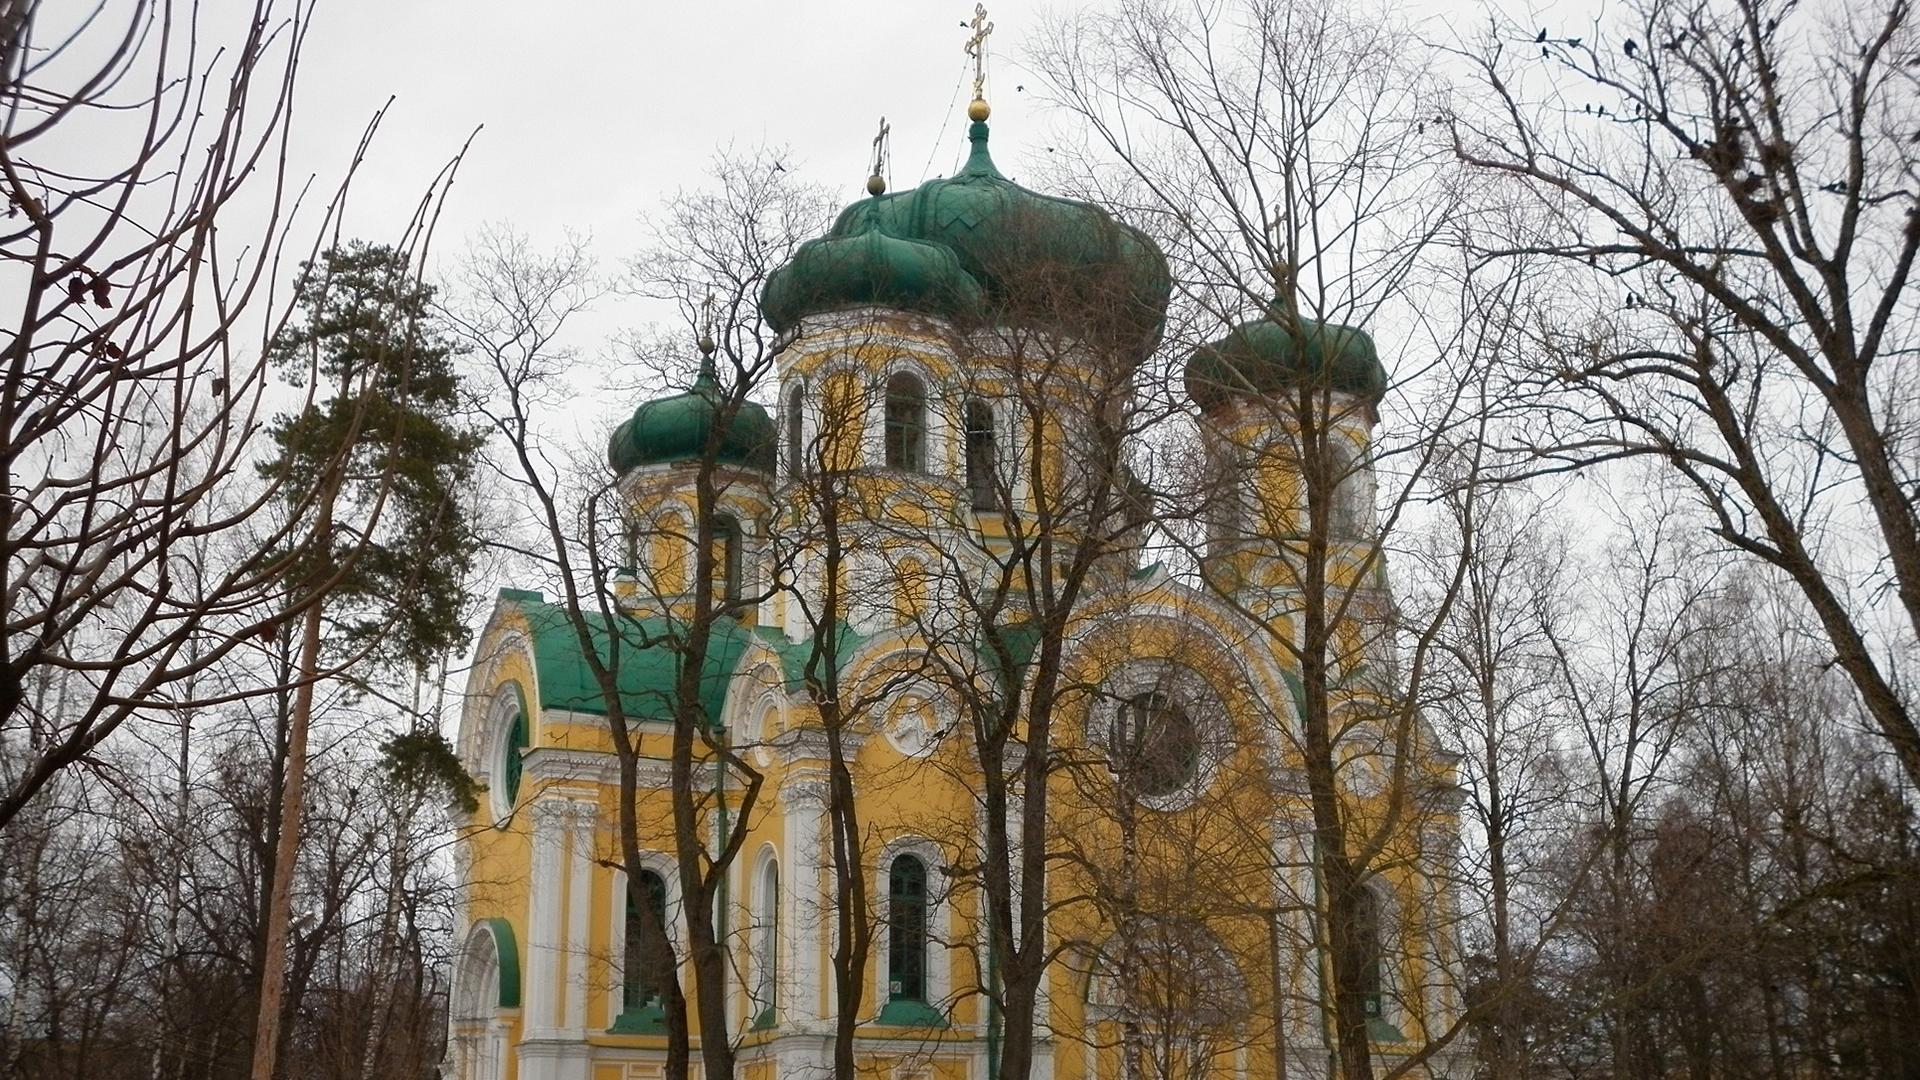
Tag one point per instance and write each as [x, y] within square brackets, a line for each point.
[273, 968]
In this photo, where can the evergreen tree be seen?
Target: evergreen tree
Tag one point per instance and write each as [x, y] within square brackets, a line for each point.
[384, 439]
[380, 461]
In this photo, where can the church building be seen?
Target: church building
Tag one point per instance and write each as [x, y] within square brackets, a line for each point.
[947, 355]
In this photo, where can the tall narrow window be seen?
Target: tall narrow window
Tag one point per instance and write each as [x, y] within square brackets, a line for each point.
[726, 558]
[639, 986]
[796, 453]
[1366, 928]
[1352, 502]
[982, 483]
[906, 423]
[907, 929]
[767, 984]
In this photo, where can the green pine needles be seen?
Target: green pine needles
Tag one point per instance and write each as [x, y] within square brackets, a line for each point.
[380, 458]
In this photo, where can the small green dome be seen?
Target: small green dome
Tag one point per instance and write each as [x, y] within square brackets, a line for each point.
[1033, 256]
[1263, 357]
[866, 266]
[676, 429]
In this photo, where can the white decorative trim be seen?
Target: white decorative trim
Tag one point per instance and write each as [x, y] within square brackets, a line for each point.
[807, 904]
[767, 860]
[539, 986]
[496, 644]
[919, 716]
[559, 764]
[810, 744]
[583, 827]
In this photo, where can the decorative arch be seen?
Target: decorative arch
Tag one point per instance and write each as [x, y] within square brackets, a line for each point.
[793, 429]
[1225, 639]
[765, 998]
[644, 1017]
[509, 728]
[905, 426]
[982, 454]
[728, 558]
[497, 644]
[489, 970]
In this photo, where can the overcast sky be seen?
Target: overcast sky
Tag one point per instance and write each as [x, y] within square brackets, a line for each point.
[593, 110]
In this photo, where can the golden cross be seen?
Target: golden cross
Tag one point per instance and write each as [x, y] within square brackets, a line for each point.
[977, 48]
[706, 328]
[880, 147]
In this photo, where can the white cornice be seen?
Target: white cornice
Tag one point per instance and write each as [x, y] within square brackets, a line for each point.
[553, 764]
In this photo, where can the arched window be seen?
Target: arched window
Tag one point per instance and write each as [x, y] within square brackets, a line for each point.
[906, 432]
[513, 747]
[639, 985]
[982, 482]
[1154, 744]
[796, 453]
[726, 558]
[767, 983]
[1352, 504]
[907, 929]
[1366, 929]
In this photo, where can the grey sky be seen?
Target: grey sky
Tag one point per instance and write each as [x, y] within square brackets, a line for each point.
[594, 110]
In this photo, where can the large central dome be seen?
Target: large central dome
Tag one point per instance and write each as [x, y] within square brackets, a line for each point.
[979, 246]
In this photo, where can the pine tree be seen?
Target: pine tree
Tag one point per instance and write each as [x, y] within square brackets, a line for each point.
[380, 462]
[387, 441]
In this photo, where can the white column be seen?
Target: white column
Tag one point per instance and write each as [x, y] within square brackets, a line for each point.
[541, 997]
[805, 900]
[583, 820]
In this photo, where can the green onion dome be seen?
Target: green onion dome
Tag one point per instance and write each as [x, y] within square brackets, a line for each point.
[677, 428]
[1263, 357]
[1035, 257]
[865, 266]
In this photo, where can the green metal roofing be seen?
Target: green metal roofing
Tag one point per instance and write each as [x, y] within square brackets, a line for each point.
[868, 267]
[677, 428]
[793, 653]
[1036, 256]
[508, 955]
[1264, 357]
[1020, 639]
[643, 653]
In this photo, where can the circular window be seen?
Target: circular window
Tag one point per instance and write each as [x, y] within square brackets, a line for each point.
[1154, 744]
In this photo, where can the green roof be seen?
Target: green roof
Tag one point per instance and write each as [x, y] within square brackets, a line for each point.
[678, 428]
[644, 654]
[793, 653]
[1033, 256]
[1264, 357]
[868, 267]
[507, 953]
[1020, 638]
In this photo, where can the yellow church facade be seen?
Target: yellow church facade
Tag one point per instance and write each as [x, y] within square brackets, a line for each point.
[1181, 932]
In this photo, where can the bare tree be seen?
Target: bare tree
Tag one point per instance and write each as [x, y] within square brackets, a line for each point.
[1287, 153]
[129, 404]
[712, 250]
[1731, 209]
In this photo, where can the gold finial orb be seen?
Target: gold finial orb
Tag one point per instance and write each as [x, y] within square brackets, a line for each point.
[978, 110]
[706, 344]
[876, 184]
